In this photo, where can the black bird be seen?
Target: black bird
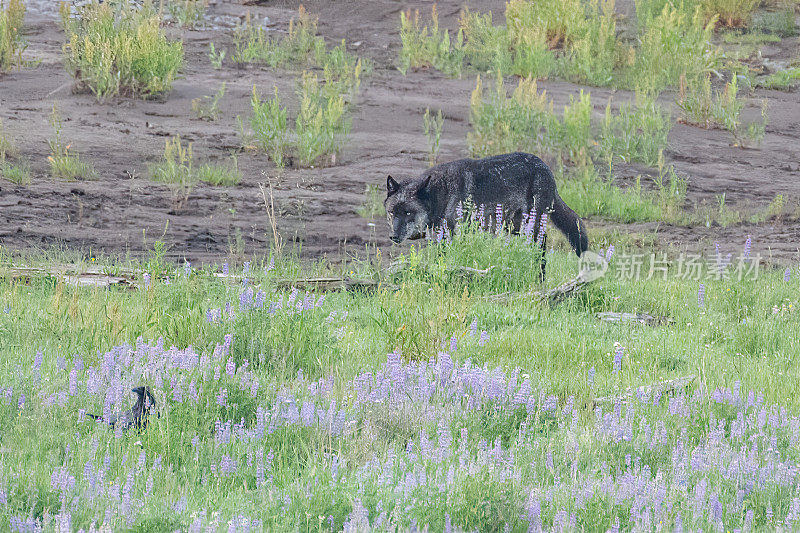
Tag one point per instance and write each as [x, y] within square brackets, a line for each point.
[137, 416]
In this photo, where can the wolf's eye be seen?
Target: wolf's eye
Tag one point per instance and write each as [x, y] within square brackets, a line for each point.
[408, 213]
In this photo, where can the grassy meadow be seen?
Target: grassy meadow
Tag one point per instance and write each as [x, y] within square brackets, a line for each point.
[280, 409]
[440, 394]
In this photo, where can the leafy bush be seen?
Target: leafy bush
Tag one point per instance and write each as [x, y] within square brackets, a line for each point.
[321, 122]
[730, 13]
[674, 42]
[270, 127]
[12, 16]
[122, 51]
[637, 132]
[425, 46]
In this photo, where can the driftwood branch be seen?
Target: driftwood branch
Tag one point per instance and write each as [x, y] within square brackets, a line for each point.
[551, 296]
[89, 277]
[636, 318]
[663, 387]
[331, 284]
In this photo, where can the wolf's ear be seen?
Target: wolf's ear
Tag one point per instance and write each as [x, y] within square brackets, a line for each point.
[423, 187]
[391, 186]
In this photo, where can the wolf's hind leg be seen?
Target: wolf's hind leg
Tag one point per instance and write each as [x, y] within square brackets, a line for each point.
[544, 258]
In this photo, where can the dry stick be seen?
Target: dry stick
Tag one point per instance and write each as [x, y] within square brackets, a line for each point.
[636, 318]
[551, 296]
[270, 208]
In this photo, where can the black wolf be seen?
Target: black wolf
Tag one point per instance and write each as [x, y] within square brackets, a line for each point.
[137, 416]
[521, 183]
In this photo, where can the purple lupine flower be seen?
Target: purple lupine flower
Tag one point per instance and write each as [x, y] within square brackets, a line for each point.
[259, 300]
[746, 251]
[459, 212]
[483, 338]
[787, 274]
[498, 214]
[271, 265]
[177, 390]
[146, 278]
[701, 295]
[246, 268]
[37, 361]
[21, 402]
[222, 398]
[473, 327]
[225, 269]
[609, 252]
[590, 377]
[619, 350]
[542, 230]
[187, 269]
[230, 367]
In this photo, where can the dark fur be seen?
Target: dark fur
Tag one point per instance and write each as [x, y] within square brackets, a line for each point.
[137, 416]
[520, 182]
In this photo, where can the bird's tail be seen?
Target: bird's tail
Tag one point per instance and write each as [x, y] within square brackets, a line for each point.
[571, 225]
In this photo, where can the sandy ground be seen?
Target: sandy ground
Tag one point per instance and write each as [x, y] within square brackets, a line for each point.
[124, 212]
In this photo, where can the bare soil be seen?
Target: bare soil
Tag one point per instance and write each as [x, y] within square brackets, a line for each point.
[123, 212]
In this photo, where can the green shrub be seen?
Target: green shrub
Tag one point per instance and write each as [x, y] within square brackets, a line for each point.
[674, 42]
[270, 127]
[637, 132]
[425, 46]
[188, 13]
[783, 79]
[486, 47]
[730, 13]
[592, 56]
[321, 122]
[176, 170]
[780, 23]
[297, 48]
[722, 109]
[123, 51]
[500, 124]
[12, 16]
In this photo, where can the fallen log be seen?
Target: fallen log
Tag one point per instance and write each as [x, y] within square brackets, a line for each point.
[636, 318]
[663, 387]
[90, 277]
[552, 296]
[331, 284]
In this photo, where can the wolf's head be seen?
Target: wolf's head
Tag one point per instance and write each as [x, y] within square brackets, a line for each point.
[407, 208]
[145, 398]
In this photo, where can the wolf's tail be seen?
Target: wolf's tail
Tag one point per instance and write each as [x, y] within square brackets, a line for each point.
[571, 225]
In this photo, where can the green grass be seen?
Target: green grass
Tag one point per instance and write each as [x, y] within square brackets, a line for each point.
[372, 206]
[120, 51]
[320, 128]
[577, 40]
[12, 17]
[187, 13]
[207, 107]
[783, 79]
[723, 109]
[177, 170]
[429, 46]
[19, 172]
[66, 163]
[638, 132]
[491, 459]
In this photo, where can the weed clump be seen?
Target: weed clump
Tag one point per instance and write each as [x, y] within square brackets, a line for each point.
[12, 16]
[65, 163]
[120, 51]
[177, 170]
